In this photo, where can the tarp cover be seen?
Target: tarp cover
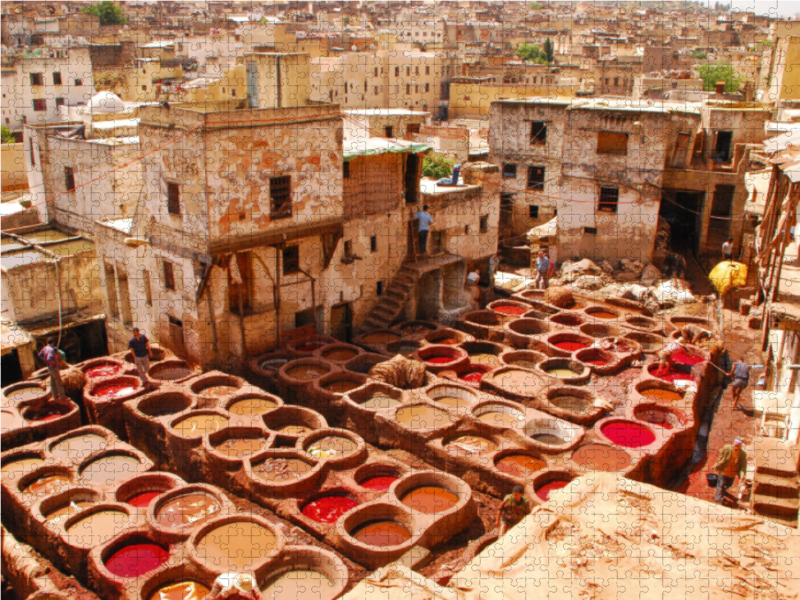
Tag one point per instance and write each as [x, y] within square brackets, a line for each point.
[727, 275]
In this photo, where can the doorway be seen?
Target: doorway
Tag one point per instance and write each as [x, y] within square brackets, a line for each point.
[342, 322]
[682, 209]
[411, 178]
[722, 148]
[506, 215]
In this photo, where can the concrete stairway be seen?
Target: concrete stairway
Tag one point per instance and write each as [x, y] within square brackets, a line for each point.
[393, 300]
[776, 483]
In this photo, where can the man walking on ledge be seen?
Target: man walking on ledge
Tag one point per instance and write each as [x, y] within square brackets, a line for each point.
[425, 222]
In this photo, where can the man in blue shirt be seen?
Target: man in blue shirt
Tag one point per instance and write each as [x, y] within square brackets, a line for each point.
[543, 268]
[52, 357]
[140, 346]
[425, 222]
[741, 378]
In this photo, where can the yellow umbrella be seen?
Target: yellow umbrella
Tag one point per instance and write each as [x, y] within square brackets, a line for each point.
[728, 274]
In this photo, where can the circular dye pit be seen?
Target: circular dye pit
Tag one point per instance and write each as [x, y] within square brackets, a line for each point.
[342, 386]
[60, 514]
[472, 376]
[440, 360]
[310, 347]
[520, 465]
[21, 464]
[197, 425]
[136, 560]
[281, 470]
[181, 590]
[570, 403]
[628, 434]
[294, 429]
[114, 390]
[273, 364]
[170, 373]
[686, 358]
[470, 444]
[570, 346]
[446, 341]
[669, 374]
[110, 468]
[544, 490]
[550, 439]
[47, 485]
[489, 360]
[97, 528]
[79, 445]
[661, 394]
[383, 337]
[405, 350]
[328, 509]
[299, 584]
[215, 391]
[510, 310]
[422, 416]
[382, 533]
[452, 402]
[378, 402]
[99, 371]
[252, 406]
[601, 314]
[236, 448]
[340, 354]
[379, 482]
[562, 373]
[501, 417]
[142, 499]
[235, 546]
[187, 510]
[46, 412]
[599, 457]
[332, 446]
[429, 499]
[307, 372]
[21, 394]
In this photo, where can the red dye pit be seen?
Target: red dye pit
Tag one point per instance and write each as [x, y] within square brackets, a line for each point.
[472, 376]
[102, 371]
[599, 362]
[309, 347]
[510, 310]
[378, 483]
[136, 560]
[47, 413]
[671, 375]
[439, 360]
[544, 491]
[664, 424]
[571, 346]
[114, 391]
[628, 435]
[142, 500]
[328, 509]
[685, 358]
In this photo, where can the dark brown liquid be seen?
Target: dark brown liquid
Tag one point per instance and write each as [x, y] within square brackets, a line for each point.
[187, 510]
[342, 386]
[241, 447]
[340, 354]
[430, 499]
[282, 470]
[306, 372]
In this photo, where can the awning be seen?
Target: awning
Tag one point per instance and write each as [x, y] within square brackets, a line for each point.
[376, 145]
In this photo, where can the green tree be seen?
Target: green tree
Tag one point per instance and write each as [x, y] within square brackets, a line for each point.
[711, 74]
[699, 54]
[109, 13]
[532, 53]
[437, 166]
[535, 6]
[6, 136]
[548, 50]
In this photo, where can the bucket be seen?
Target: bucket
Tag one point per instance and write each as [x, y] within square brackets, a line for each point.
[712, 479]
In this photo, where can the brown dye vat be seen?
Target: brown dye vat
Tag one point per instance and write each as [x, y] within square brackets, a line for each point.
[519, 465]
[235, 546]
[171, 373]
[181, 590]
[79, 445]
[452, 402]
[241, 447]
[340, 354]
[548, 438]
[383, 337]
[46, 485]
[295, 429]
[251, 406]
[273, 363]
[97, 528]
[599, 457]
[661, 394]
[572, 403]
[197, 425]
[63, 512]
[217, 390]
[422, 416]
[514, 380]
[382, 533]
[601, 314]
[405, 349]
[295, 585]
[470, 444]
[25, 393]
[332, 446]
[342, 386]
[307, 372]
[107, 469]
[430, 499]
[21, 464]
[378, 402]
[187, 510]
[281, 469]
[500, 419]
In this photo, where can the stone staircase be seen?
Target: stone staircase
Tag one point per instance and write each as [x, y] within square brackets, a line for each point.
[776, 482]
[391, 304]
